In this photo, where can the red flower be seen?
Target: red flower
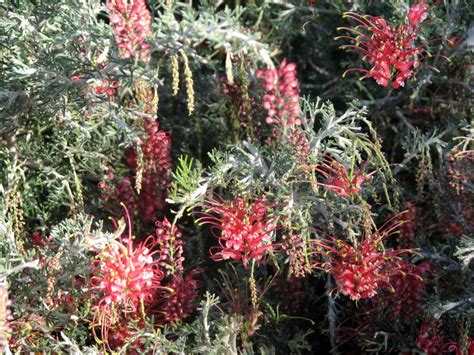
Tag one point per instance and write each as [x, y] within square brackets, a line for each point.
[360, 270]
[179, 303]
[168, 238]
[282, 94]
[245, 226]
[418, 13]
[409, 285]
[131, 22]
[339, 180]
[39, 240]
[125, 277]
[389, 50]
[107, 87]
[430, 339]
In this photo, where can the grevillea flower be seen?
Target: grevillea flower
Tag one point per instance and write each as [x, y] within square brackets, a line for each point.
[417, 13]
[168, 238]
[131, 23]
[5, 317]
[340, 180]
[430, 338]
[410, 288]
[178, 304]
[360, 270]
[245, 227]
[281, 99]
[155, 178]
[106, 87]
[458, 350]
[125, 277]
[406, 238]
[389, 50]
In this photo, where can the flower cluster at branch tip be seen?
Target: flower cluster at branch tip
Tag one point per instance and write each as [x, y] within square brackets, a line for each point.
[339, 180]
[5, 317]
[389, 50]
[281, 99]
[245, 227]
[360, 270]
[125, 278]
[126, 275]
[294, 246]
[156, 148]
[131, 23]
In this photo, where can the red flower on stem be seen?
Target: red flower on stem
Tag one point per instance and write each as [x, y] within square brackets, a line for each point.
[341, 181]
[131, 22]
[360, 270]
[125, 277]
[245, 227]
[389, 50]
[282, 96]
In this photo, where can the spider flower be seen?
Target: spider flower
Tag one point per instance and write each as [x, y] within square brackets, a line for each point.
[339, 179]
[389, 50]
[125, 277]
[131, 22]
[360, 270]
[245, 228]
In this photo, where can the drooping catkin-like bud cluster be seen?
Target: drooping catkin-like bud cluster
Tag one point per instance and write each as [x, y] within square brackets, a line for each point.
[175, 73]
[131, 22]
[188, 78]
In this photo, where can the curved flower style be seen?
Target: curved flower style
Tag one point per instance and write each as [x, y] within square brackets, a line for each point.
[131, 22]
[125, 277]
[361, 270]
[282, 94]
[389, 50]
[245, 227]
[338, 178]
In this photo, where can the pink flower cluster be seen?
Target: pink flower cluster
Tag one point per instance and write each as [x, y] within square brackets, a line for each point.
[131, 23]
[245, 227]
[389, 50]
[156, 177]
[281, 99]
[168, 238]
[156, 149]
[106, 87]
[410, 287]
[360, 270]
[430, 338]
[179, 303]
[126, 274]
